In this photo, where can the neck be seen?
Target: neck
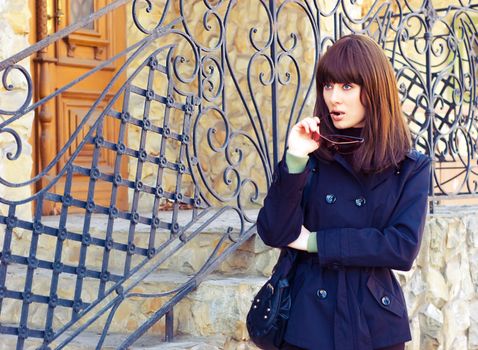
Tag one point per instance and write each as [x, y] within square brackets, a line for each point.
[356, 132]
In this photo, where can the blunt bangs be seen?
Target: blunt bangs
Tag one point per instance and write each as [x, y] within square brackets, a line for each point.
[341, 64]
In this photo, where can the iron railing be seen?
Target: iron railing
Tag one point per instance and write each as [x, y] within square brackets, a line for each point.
[434, 52]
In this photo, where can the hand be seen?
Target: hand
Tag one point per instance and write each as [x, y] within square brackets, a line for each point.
[301, 242]
[304, 136]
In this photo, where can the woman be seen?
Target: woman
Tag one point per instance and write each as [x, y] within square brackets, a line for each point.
[364, 214]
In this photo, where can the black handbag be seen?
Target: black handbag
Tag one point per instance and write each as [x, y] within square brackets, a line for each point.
[267, 318]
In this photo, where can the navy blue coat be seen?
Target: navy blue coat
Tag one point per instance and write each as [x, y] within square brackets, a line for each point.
[345, 297]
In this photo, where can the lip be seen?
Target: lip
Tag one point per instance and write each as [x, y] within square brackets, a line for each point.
[336, 111]
[337, 117]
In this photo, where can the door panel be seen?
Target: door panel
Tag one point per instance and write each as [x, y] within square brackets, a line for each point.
[89, 45]
[74, 106]
[72, 57]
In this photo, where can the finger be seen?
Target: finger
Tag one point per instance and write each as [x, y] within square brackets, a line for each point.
[305, 126]
[316, 136]
[312, 124]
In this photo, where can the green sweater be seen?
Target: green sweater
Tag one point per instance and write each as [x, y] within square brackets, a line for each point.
[296, 165]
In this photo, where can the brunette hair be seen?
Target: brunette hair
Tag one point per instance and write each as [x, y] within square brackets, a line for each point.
[358, 59]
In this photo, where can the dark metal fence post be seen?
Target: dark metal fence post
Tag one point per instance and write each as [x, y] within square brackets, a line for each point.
[169, 331]
[429, 112]
[275, 117]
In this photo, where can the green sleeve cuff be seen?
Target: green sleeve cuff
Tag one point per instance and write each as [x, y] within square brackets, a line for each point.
[312, 243]
[295, 164]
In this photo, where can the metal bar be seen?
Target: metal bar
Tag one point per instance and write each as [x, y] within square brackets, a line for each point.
[9, 222]
[168, 334]
[275, 116]
[187, 288]
[149, 96]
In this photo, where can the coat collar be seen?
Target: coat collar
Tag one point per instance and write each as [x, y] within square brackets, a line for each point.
[372, 181]
[346, 165]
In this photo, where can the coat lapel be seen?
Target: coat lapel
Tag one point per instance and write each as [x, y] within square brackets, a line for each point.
[367, 181]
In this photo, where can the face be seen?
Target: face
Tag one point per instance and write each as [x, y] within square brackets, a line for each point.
[344, 104]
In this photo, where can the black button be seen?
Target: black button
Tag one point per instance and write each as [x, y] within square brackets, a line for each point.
[360, 202]
[322, 293]
[386, 301]
[330, 199]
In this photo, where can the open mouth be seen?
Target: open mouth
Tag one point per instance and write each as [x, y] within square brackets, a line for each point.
[337, 116]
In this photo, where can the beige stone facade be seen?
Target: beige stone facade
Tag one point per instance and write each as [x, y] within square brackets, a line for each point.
[245, 104]
[441, 289]
[15, 29]
[14, 34]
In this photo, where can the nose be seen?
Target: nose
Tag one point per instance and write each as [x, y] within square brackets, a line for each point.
[335, 94]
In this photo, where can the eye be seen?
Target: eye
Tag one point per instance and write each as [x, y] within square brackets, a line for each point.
[347, 86]
[327, 86]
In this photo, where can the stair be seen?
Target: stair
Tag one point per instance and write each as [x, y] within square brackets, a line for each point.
[148, 342]
[210, 317]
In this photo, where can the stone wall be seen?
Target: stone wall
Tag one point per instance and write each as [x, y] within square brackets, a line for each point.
[242, 111]
[442, 288]
[14, 36]
[240, 106]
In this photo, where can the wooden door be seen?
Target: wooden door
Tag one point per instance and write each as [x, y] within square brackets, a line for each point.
[68, 59]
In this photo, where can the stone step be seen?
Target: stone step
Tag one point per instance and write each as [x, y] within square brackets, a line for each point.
[253, 257]
[89, 341]
[217, 307]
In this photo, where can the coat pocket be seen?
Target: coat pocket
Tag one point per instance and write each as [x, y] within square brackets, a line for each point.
[385, 298]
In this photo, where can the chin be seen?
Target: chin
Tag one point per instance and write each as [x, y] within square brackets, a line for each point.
[341, 126]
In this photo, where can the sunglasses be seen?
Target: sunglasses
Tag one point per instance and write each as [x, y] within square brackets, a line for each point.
[342, 143]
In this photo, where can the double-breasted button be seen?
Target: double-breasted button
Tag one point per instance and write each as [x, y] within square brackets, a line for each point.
[330, 199]
[360, 202]
[322, 293]
[386, 300]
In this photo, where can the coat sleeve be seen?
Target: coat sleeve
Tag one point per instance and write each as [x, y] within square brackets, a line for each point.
[280, 219]
[397, 245]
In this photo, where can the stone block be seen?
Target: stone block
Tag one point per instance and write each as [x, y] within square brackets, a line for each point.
[431, 321]
[415, 292]
[218, 307]
[423, 258]
[456, 322]
[437, 287]
[474, 268]
[473, 331]
[472, 231]
[455, 237]
[436, 236]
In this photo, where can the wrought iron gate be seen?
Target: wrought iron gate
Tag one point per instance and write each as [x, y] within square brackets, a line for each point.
[434, 51]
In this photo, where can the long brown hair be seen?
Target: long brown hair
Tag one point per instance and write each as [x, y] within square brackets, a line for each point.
[358, 59]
